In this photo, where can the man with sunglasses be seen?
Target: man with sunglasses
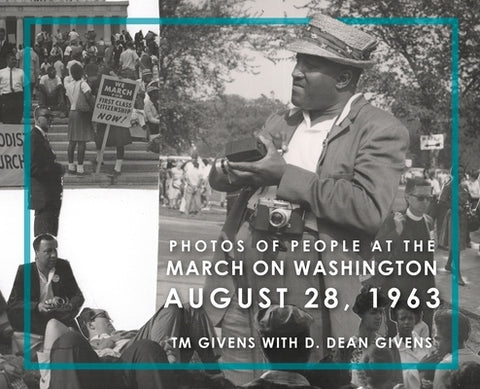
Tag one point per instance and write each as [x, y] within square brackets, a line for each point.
[411, 225]
[171, 322]
[149, 344]
[46, 177]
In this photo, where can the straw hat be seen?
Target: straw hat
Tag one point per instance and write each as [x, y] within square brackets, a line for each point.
[338, 42]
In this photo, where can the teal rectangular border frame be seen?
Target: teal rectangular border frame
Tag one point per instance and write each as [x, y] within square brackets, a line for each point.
[454, 25]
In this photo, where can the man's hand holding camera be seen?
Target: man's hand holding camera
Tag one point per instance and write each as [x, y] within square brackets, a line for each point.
[55, 304]
[267, 171]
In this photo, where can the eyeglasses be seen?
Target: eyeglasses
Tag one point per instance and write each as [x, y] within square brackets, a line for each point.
[422, 198]
[102, 314]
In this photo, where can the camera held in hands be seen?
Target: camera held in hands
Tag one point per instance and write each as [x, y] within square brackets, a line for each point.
[278, 216]
[243, 150]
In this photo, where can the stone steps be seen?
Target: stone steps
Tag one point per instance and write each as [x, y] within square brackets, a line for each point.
[126, 179]
[140, 167]
[140, 147]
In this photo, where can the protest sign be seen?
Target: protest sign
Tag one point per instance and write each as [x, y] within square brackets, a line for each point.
[114, 106]
[11, 155]
[115, 99]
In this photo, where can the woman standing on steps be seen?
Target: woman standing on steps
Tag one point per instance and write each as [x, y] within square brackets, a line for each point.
[80, 129]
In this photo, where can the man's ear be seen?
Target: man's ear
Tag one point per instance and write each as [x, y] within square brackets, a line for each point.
[344, 78]
[91, 326]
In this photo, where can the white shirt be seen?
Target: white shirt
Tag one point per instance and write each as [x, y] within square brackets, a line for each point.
[304, 150]
[58, 65]
[474, 188]
[72, 90]
[306, 145]
[128, 59]
[411, 377]
[73, 35]
[50, 83]
[46, 291]
[17, 80]
[151, 113]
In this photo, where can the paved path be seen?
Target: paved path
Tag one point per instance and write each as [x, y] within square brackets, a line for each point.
[469, 301]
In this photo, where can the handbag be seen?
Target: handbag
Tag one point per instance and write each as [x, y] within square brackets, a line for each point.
[82, 104]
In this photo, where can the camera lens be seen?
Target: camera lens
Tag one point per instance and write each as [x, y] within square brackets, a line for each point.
[279, 218]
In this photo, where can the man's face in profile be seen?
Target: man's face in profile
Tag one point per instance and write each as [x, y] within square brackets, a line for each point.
[44, 119]
[46, 255]
[314, 81]
[101, 323]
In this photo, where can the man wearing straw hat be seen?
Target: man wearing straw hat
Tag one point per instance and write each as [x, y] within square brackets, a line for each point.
[340, 162]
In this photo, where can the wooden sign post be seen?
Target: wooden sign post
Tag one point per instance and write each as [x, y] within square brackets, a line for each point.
[114, 106]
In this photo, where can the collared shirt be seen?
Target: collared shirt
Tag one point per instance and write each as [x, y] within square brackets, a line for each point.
[128, 59]
[151, 113]
[72, 90]
[306, 145]
[411, 377]
[123, 337]
[304, 150]
[412, 216]
[288, 378]
[16, 79]
[50, 83]
[46, 291]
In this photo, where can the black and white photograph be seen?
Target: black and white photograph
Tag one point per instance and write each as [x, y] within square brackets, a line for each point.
[256, 193]
[316, 172]
[93, 201]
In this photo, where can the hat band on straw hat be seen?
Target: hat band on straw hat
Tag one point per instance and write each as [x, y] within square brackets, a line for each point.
[328, 42]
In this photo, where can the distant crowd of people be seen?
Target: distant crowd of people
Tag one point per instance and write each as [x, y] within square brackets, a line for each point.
[65, 74]
[184, 184]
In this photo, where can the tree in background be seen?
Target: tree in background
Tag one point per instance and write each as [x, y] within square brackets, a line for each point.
[196, 62]
[415, 70]
[231, 117]
[413, 78]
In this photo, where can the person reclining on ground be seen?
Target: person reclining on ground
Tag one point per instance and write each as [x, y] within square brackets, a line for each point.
[149, 344]
[171, 322]
[64, 345]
